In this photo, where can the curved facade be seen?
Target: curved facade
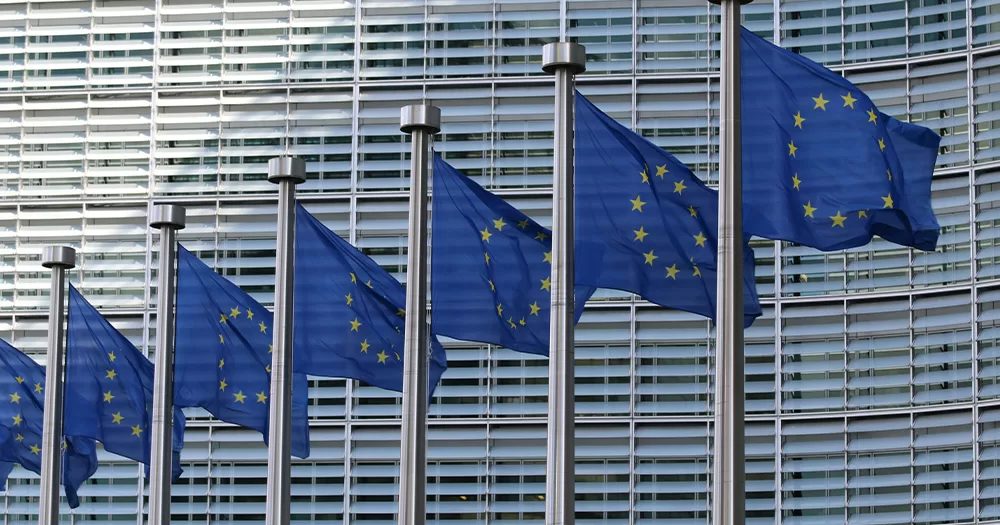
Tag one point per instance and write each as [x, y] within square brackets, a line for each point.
[873, 377]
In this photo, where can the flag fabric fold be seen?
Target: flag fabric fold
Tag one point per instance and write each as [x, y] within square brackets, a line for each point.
[22, 385]
[822, 166]
[491, 270]
[109, 387]
[349, 312]
[223, 357]
[655, 222]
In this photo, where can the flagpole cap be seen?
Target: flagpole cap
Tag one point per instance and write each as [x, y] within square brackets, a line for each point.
[168, 216]
[286, 168]
[418, 117]
[558, 55]
[58, 257]
[720, 2]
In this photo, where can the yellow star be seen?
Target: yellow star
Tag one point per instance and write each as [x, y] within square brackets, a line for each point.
[270, 348]
[640, 234]
[849, 100]
[799, 119]
[249, 314]
[661, 171]
[368, 283]
[699, 240]
[820, 102]
[17, 420]
[487, 257]
[650, 257]
[500, 310]
[796, 181]
[117, 418]
[499, 224]
[110, 374]
[486, 234]
[19, 379]
[261, 397]
[547, 257]
[267, 369]
[522, 224]
[239, 397]
[889, 173]
[697, 271]
[223, 384]
[222, 363]
[382, 356]
[493, 287]
[349, 299]
[35, 450]
[522, 322]
[364, 346]
[541, 236]
[233, 312]
[111, 356]
[679, 187]
[38, 387]
[354, 278]
[108, 397]
[19, 438]
[397, 356]
[645, 178]
[872, 117]
[355, 324]
[534, 308]
[401, 313]
[838, 219]
[809, 209]
[792, 148]
[547, 284]
[881, 144]
[672, 271]
[637, 204]
[888, 201]
[863, 214]
[510, 321]
[222, 318]
[694, 212]
[15, 398]
[263, 327]
[222, 339]
[137, 430]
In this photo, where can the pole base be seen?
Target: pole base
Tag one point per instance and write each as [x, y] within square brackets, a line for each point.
[168, 216]
[58, 257]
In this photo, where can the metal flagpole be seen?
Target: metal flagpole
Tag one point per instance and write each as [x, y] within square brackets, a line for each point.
[565, 60]
[59, 259]
[286, 172]
[167, 218]
[729, 479]
[421, 122]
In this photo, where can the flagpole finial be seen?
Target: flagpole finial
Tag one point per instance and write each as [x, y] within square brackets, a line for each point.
[719, 2]
[564, 54]
[286, 168]
[420, 116]
[58, 257]
[168, 216]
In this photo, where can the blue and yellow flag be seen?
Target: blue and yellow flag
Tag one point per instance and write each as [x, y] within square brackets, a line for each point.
[349, 312]
[223, 358]
[656, 222]
[109, 387]
[22, 385]
[492, 265]
[822, 166]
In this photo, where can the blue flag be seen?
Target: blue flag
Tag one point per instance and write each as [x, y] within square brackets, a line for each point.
[491, 275]
[109, 387]
[822, 166]
[223, 359]
[22, 385]
[656, 221]
[349, 312]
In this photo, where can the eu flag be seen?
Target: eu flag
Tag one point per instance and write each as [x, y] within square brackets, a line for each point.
[491, 275]
[109, 387]
[349, 312]
[822, 166]
[656, 222]
[22, 385]
[223, 358]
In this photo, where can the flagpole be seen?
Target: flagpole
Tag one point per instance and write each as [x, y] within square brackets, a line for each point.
[286, 172]
[167, 218]
[59, 259]
[565, 60]
[421, 121]
[729, 477]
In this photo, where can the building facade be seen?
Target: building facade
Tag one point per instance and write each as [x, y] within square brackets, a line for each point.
[872, 378]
